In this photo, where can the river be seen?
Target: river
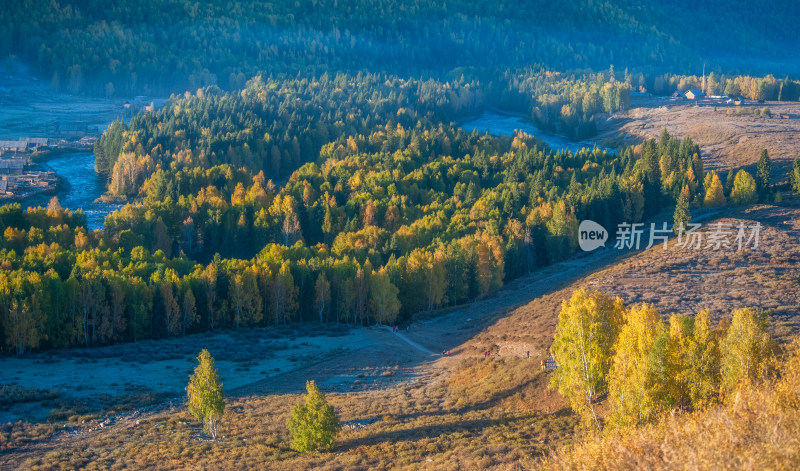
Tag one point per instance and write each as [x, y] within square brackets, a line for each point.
[30, 107]
[83, 187]
[504, 124]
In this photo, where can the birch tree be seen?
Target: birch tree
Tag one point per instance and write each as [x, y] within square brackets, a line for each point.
[206, 400]
[583, 347]
[637, 379]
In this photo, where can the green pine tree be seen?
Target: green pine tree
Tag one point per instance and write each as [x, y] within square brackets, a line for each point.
[729, 183]
[206, 400]
[682, 214]
[794, 176]
[313, 424]
[762, 176]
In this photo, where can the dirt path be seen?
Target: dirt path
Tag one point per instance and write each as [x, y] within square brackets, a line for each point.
[387, 360]
[410, 342]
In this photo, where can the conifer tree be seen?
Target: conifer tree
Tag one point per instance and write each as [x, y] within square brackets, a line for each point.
[729, 183]
[794, 176]
[313, 424]
[682, 214]
[206, 400]
[715, 195]
[762, 176]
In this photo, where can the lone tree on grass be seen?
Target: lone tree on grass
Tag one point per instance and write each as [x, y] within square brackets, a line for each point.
[794, 176]
[762, 176]
[313, 424]
[206, 401]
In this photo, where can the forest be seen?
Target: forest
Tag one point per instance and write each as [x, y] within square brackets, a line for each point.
[144, 47]
[383, 201]
[317, 172]
[353, 237]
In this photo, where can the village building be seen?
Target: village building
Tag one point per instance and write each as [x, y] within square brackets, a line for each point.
[87, 141]
[11, 166]
[678, 95]
[35, 142]
[13, 146]
[694, 94]
[74, 130]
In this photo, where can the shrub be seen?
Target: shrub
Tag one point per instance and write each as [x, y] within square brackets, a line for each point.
[313, 423]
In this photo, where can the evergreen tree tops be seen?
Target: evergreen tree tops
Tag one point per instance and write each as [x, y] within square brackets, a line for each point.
[764, 168]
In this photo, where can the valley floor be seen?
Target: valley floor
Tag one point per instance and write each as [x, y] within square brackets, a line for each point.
[401, 401]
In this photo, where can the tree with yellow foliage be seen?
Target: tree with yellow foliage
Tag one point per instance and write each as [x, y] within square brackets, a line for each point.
[637, 379]
[204, 392]
[383, 302]
[747, 349]
[693, 360]
[744, 189]
[715, 195]
[583, 347]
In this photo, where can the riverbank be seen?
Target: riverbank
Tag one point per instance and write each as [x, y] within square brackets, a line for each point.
[82, 188]
[42, 156]
[503, 123]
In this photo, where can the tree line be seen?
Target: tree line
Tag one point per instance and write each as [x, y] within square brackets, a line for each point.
[391, 224]
[646, 366]
[143, 48]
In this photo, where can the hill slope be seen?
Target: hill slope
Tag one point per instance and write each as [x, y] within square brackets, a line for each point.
[143, 46]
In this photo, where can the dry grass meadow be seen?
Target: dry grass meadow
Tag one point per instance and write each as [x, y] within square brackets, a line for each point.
[730, 137]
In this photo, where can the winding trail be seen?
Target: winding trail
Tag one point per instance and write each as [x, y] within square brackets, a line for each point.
[409, 341]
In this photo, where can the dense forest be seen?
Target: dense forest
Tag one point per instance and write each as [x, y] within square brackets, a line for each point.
[331, 192]
[149, 47]
[389, 224]
[275, 125]
[317, 172]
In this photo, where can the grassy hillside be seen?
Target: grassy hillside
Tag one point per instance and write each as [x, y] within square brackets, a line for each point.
[756, 429]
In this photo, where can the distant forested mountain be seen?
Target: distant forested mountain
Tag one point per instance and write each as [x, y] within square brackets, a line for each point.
[143, 46]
